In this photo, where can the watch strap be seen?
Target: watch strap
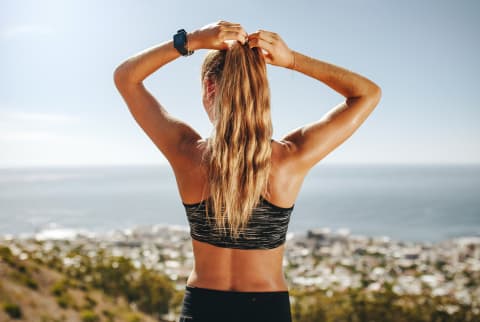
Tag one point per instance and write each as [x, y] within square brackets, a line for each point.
[180, 42]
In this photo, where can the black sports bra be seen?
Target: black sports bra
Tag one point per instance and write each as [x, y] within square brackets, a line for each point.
[266, 229]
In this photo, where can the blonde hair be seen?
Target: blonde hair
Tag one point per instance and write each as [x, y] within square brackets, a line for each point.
[239, 150]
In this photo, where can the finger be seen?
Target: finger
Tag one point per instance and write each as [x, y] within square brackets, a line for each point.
[262, 34]
[256, 42]
[267, 34]
[233, 35]
[236, 28]
[227, 23]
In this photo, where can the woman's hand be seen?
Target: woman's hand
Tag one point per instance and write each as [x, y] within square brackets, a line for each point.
[278, 53]
[216, 35]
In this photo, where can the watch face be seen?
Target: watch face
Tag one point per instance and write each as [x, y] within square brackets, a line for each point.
[179, 39]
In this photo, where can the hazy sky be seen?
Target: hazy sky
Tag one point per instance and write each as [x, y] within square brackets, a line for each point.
[59, 105]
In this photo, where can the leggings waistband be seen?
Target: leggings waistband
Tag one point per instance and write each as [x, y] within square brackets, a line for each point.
[224, 292]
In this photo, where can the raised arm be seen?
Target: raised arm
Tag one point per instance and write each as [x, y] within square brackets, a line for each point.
[170, 135]
[311, 143]
[175, 138]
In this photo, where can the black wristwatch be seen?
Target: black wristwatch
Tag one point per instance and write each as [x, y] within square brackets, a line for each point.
[180, 43]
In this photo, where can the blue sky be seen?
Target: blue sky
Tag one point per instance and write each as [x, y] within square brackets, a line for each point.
[59, 105]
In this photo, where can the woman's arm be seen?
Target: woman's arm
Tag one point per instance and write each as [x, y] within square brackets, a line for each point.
[212, 36]
[343, 81]
[168, 133]
[139, 66]
[175, 138]
[309, 144]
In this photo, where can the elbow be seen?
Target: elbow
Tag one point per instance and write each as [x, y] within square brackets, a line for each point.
[122, 75]
[371, 92]
[119, 76]
[374, 94]
[378, 93]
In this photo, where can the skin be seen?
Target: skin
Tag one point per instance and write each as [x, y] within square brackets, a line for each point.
[292, 156]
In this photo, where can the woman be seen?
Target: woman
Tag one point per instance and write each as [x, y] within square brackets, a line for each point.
[239, 185]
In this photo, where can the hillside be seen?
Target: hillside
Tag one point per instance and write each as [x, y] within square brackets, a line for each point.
[90, 280]
[33, 292]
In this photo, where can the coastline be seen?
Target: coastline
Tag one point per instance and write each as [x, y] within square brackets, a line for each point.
[319, 259]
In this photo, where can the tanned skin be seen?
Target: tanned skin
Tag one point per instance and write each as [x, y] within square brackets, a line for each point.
[292, 156]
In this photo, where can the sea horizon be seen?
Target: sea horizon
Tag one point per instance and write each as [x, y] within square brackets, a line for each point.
[410, 202]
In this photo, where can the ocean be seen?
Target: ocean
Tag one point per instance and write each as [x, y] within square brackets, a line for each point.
[427, 203]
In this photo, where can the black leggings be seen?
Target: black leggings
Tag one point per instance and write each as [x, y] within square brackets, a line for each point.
[202, 305]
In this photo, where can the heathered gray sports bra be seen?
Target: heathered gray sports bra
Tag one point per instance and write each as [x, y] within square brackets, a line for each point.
[266, 229]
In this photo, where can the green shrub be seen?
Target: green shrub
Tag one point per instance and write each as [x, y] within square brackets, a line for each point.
[22, 268]
[13, 310]
[48, 318]
[89, 316]
[31, 283]
[91, 303]
[65, 301]
[6, 255]
[62, 301]
[133, 317]
[109, 315]
[152, 292]
[59, 287]
[25, 279]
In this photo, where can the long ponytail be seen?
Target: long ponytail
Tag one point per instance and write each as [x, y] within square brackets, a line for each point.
[239, 150]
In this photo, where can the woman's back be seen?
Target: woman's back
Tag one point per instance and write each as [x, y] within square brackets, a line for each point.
[231, 268]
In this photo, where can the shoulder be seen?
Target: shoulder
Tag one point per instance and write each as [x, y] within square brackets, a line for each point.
[282, 154]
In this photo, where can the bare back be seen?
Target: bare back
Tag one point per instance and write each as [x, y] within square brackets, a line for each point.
[239, 269]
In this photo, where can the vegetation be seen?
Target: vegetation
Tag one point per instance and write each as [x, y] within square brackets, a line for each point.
[89, 316]
[357, 305]
[84, 289]
[13, 310]
[153, 293]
